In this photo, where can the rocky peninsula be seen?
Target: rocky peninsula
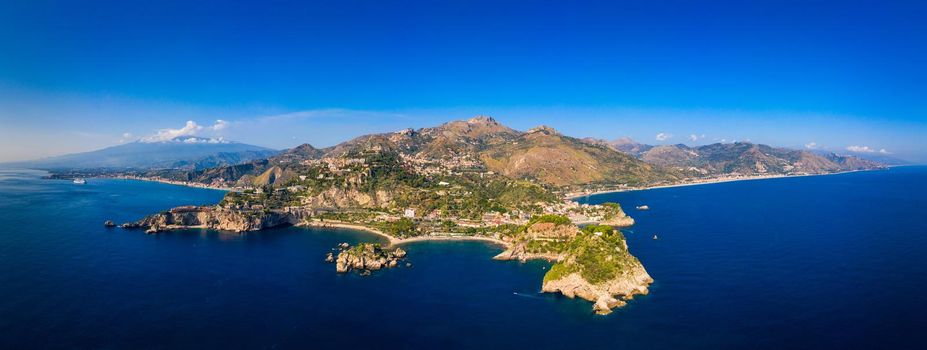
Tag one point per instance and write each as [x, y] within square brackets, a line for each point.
[592, 263]
[598, 267]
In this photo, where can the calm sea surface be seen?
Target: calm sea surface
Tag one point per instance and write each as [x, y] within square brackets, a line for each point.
[815, 262]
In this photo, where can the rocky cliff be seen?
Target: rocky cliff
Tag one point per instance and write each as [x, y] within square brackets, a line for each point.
[618, 218]
[598, 267]
[605, 296]
[592, 263]
[218, 218]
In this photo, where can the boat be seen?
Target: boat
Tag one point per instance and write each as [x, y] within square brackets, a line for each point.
[79, 181]
[654, 237]
[642, 207]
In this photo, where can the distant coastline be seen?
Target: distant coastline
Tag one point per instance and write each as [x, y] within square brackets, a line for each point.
[170, 182]
[54, 175]
[573, 196]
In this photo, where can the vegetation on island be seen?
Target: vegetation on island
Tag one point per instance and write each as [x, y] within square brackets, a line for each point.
[598, 254]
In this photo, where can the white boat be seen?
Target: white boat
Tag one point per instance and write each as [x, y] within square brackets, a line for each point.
[654, 237]
[79, 181]
[643, 207]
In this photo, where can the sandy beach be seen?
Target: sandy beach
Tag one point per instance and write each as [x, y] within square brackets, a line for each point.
[706, 182]
[399, 241]
[451, 238]
[171, 182]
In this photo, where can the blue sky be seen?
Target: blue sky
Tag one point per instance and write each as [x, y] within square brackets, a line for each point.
[81, 75]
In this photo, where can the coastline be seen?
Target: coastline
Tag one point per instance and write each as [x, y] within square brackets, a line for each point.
[52, 175]
[170, 182]
[334, 224]
[393, 241]
[452, 238]
[573, 196]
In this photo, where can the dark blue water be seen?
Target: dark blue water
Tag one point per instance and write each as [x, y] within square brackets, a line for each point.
[815, 262]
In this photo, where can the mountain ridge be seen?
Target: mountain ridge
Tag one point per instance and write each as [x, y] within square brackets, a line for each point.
[741, 158]
[185, 152]
[481, 144]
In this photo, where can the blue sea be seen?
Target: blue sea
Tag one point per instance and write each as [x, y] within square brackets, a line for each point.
[822, 262]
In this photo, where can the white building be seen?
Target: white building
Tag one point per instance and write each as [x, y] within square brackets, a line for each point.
[409, 213]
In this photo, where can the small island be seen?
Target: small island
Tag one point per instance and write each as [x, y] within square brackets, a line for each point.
[364, 258]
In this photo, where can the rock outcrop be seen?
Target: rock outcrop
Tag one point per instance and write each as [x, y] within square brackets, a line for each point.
[217, 218]
[366, 257]
[622, 220]
[598, 267]
[592, 263]
[625, 286]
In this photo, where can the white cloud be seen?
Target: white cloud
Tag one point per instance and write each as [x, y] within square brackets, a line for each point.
[126, 137]
[219, 125]
[190, 129]
[664, 136]
[811, 145]
[695, 137]
[205, 140]
[860, 149]
[883, 151]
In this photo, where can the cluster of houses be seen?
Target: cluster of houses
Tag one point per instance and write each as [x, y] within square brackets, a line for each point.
[443, 166]
[578, 213]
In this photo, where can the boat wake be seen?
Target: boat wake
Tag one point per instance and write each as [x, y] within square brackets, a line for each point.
[526, 295]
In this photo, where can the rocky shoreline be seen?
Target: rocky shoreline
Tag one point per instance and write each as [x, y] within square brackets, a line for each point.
[613, 276]
[605, 296]
[564, 244]
[218, 218]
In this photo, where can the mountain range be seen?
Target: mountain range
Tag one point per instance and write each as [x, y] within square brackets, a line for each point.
[186, 152]
[480, 144]
[540, 154]
[742, 158]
